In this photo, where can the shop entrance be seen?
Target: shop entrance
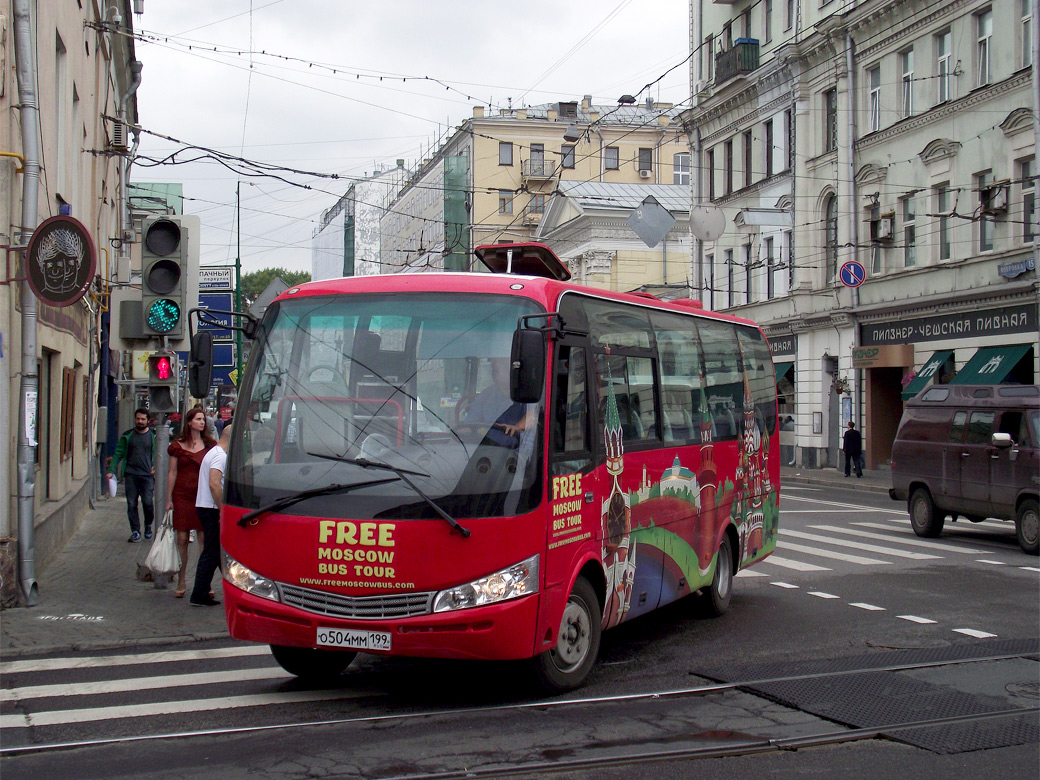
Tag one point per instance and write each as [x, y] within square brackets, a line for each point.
[884, 408]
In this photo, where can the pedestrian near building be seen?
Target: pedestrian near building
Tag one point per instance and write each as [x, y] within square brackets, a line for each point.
[852, 447]
[133, 463]
[186, 454]
[208, 499]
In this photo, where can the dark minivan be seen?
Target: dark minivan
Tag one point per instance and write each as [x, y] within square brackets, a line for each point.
[971, 451]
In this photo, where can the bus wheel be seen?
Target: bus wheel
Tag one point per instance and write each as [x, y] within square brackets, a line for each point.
[1027, 526]
[925, 516]
[311, 664]
[721, 589]
[568, 664]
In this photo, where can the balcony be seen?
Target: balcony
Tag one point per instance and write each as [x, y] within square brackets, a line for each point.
[742, 58]
[538, 169]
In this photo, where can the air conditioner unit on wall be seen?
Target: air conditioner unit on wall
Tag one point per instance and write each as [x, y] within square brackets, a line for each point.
[645, 174]
[883, 228]
[994, 198]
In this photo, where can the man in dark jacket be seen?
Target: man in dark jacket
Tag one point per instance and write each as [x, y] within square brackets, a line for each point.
[133, 461]
[852, 447]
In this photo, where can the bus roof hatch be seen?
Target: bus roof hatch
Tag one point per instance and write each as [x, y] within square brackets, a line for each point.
[524, 259]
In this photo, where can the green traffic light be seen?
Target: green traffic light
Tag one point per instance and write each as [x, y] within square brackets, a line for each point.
[163, 315]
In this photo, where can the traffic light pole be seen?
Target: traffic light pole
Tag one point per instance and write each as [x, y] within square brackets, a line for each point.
[238, 281]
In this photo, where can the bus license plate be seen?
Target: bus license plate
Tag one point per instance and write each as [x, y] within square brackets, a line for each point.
[354, 640]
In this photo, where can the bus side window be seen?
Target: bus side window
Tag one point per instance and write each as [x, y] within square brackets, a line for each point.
[570, 416]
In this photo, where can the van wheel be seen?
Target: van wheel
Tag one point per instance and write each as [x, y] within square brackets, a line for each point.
[721, 589]
[311, 664]
[924, 514]
[567, 665]
[1027, 526]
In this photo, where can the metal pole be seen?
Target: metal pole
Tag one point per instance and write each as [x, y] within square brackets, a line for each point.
[238, 281]
[30, 382]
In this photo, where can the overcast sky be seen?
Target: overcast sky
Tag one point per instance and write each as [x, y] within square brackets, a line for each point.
[343, 86]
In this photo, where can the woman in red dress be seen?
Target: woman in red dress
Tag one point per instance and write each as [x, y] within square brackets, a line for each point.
[186, 453]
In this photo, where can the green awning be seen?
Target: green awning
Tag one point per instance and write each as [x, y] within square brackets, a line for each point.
[781, 369]
[990, 365]
[932, 367]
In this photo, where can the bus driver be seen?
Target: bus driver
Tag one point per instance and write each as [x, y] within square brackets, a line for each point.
[493, 408]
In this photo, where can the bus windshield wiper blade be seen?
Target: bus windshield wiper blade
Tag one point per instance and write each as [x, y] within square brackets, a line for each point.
[303, 495]
[402, 474]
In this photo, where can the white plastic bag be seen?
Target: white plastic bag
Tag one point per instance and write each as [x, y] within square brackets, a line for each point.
[113, 485]
[163, 558]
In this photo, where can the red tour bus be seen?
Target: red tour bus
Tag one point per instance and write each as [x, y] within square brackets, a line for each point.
[489, 466]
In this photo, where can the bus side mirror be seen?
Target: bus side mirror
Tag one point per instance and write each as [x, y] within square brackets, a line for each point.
[527, 366]
[200, 364]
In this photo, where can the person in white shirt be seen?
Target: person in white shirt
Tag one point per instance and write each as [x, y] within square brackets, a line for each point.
[207, 502]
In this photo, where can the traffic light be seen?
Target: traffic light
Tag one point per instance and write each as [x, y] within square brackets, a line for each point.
[164, 261]
[162, 382]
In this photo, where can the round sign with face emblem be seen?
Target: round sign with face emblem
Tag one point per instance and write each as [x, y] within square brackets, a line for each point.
[60, 261]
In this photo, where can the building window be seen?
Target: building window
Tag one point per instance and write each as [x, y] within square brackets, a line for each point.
[711, 174]
[830, 120]
[769, 148]
[768, 22]
[567, 156]
[982, 182]
[789, 14]
[68, 411]
[1026, 175]
[538, 167]
[646, 159]
[943, 46]
[789, 137]
[729, 278]
[788, 257]
[710, 281]
[907, 60]
[942, 207]
[537, 204]
[681, 168]
[874, 84]
[1026, 30]
[984, 26]
[747, 158]
[909, 232]
[747, 273]
[874, 218]
[505, 201]
[709, 57]
[770, 262]
[728, 183]
[611, 158]
[505, 153]
[830, 236]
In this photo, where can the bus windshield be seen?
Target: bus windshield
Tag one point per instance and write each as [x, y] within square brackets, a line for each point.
[419, 383]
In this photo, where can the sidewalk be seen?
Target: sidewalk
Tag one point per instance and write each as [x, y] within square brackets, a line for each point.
[90, 598]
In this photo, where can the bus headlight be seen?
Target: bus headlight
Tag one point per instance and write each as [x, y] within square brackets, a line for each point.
[518, 580]
[247, 580]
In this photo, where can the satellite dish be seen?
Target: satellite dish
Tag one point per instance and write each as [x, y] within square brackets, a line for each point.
[707, 222]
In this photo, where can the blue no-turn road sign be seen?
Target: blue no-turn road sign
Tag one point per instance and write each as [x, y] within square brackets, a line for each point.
[852, 273]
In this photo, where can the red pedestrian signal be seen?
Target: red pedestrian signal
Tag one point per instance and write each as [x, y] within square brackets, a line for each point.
[162, 382]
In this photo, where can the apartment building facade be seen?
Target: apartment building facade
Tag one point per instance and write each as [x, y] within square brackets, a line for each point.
[492, 179]
[893, 135]
[78, 62]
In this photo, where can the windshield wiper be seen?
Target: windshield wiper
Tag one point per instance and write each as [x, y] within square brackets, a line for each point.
[402, 474]
[303, 495]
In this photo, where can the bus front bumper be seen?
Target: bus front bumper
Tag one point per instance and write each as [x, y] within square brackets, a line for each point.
[497, 632]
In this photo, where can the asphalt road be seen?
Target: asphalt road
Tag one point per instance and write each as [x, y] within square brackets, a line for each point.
[917, 629]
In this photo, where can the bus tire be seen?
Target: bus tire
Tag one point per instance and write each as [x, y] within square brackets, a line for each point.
[311, 664]
[1027, 531]
[567, 665]
[721, 589]
[925, 517]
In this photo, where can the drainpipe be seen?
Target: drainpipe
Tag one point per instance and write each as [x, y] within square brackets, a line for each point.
[1035, 43]
[135, 67]
[695, 199]
[857, 411]
[30, 382]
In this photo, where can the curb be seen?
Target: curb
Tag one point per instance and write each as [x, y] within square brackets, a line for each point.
[116, 644]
